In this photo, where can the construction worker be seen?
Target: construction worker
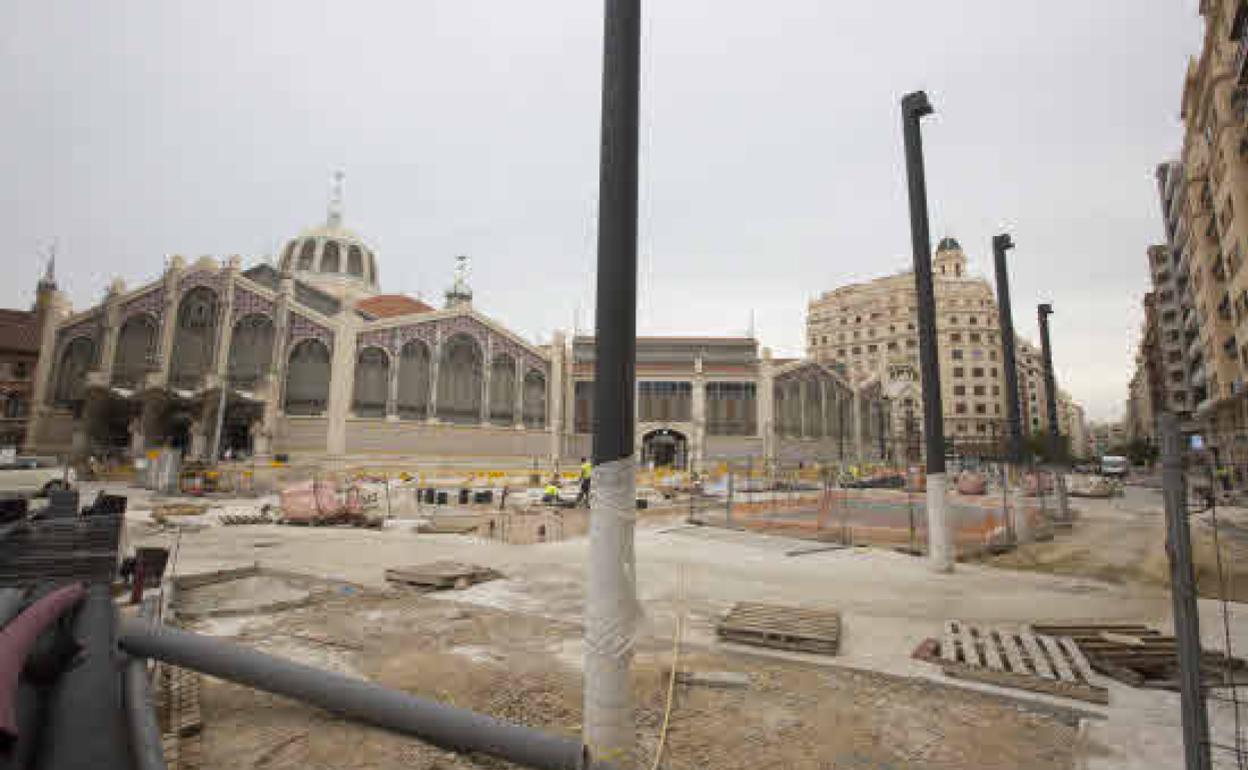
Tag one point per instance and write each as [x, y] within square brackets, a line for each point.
[551, 493]
[587, 470]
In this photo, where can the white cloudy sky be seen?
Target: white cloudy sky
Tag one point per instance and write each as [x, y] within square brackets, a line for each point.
[771, 148]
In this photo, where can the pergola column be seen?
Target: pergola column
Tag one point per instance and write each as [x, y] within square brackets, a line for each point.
[802, 385]
[486, 376]
[518, 408]
[435, 364]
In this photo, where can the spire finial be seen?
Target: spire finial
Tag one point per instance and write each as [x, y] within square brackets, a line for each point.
[335, 198]
[460, 293]
[49, 271]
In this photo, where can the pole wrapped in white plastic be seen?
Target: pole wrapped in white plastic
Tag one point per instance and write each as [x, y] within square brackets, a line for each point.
[939, 546]
[611, 613]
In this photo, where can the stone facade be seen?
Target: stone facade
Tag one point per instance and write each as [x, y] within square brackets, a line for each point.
[308, 359]
[870, 330]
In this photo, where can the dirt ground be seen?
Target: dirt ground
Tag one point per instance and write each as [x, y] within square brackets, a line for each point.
[523, 668]
[1123, 541]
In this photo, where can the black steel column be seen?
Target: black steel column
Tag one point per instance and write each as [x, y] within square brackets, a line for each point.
[913, 107]
[616, 309]
[1043, 312]
[1005, 314]
[939, 541]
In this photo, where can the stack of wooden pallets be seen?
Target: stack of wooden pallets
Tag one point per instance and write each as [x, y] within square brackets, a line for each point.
[1020, 659]
[788, 628]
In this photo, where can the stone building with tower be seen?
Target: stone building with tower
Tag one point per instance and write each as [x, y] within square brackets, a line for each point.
[870, 330]
[309, 358]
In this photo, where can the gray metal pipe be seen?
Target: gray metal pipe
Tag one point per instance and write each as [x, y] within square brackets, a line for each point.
[146, 741]
[446, 726]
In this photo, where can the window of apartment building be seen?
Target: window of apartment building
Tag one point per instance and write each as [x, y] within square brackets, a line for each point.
[21, 370]
[892, 329]
[979, 390]
[870, 332]
[959, 390]
[974, 336]
[992, 355]
[958, 371]
[959, 408]
[996, 409]
[857, 319]
[953, 320]
[992, 372]
[872, 348]
[996, 390]
[824, 339]
[981, 409]
[910, 343]
[978, 371]
[972, 320]
[955, 337]
[875, 316]
[857, 349]
[957, 354]
[892, 346]
[910, 327]
[962, 427]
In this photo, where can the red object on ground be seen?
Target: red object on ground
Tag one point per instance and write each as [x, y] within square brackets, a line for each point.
[15, 642]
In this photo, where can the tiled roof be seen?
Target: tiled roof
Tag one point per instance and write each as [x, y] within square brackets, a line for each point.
[18, 332]
[391, 305]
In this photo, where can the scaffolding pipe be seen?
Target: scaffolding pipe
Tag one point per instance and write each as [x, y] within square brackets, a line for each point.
[451, 728]
[146, 741]
[16, 640]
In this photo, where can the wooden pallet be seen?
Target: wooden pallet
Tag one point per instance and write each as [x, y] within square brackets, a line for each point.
[787, 628]
[1023, 660]
[1140, 656]
[441, 575]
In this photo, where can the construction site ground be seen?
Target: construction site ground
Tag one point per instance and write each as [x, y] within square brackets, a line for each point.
[511, 647]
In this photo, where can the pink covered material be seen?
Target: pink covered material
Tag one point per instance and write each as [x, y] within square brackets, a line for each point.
[971, 483]
[15, 642]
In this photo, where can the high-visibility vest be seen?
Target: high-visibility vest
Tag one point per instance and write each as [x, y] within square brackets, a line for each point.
[552, 490]
[587, 470]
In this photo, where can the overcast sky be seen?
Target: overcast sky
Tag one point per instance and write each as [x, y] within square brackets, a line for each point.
[771, 149]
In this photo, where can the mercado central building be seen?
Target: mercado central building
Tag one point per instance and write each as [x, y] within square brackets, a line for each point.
[316, 362]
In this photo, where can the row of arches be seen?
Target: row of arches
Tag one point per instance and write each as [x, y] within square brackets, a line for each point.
[811, 409]
[460, 384]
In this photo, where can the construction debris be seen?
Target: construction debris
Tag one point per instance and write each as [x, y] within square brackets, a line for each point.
[786, 628]
[1140, 656]
[723, 680]
[1024, 660]
[441, 575]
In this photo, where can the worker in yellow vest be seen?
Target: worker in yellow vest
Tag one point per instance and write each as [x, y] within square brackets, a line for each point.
[551, 493]
[587, 471]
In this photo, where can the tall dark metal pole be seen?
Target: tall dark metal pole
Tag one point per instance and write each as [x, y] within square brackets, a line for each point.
[1183, 593]
[611, 601]
[914, 107]
[1005, 314]
[1043, 311]
[1014, 432]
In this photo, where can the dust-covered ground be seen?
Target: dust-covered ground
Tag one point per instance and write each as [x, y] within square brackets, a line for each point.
[526, 669]
[1122, 541]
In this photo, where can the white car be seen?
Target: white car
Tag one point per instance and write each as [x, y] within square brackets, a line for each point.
[1115, 466]
[34, 476]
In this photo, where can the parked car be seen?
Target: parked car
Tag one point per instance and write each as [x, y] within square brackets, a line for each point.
[34, 476]
[1115, 466]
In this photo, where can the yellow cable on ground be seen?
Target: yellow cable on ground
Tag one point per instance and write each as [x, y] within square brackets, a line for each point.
[671, 682]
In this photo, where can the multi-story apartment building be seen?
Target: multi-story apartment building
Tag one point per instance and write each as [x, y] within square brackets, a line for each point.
[871, 330]
[1186, 386]
[1204, 201]
[1166, 331]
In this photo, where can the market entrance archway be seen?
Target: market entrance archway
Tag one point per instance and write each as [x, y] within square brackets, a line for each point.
[665, 448]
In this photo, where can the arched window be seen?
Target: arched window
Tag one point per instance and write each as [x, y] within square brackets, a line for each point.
[503, 390]
[251, 351]
[459, 380]
[372, 383]
[307, 378]
[71, 373]
[355, 261]
[136, 351]
[306, 254]
[331, 260]
[195, 338]
[414, 381]
[814, 405]
[534, 400]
